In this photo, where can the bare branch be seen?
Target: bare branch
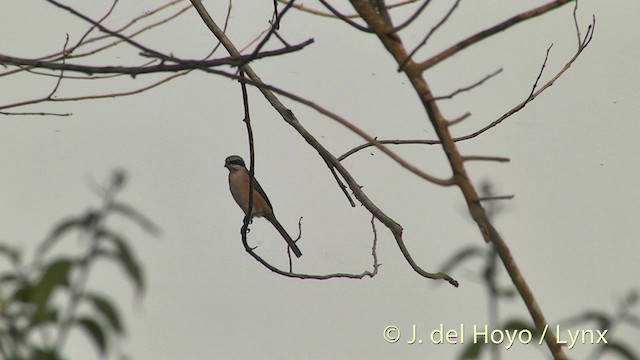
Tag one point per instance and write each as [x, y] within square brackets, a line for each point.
[415, 74]
[485, 158]
[386, 142]
[381, 6]
[534, 94]
[341, 184]
[344, 18]
[367, 137]
[34, 113]
[91, 97]
[124, 93]
[180, 64]
[272, 30]
[270, 88]
[544, 65]
[55, 88]
[83, 37]
[413, 16]
[68, 54]
[49, 97]
[496, 197]
[252, 161]
[110, 32]
[458, 120]
[429, 34]
[309, 10]
[290, 118]
[132, 35]
[374, 247]
[470, 87]
[492, 31]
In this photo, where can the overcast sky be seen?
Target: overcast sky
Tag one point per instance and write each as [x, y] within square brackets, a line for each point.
[572, 225]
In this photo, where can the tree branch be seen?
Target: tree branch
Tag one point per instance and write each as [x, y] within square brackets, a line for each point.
[429, 34]
[491, 31]
[290, 118]
[414, 73]
[180, 65]
[584, 42]
[470, 87]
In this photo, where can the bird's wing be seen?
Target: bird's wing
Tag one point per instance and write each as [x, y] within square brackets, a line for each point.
[258, 188]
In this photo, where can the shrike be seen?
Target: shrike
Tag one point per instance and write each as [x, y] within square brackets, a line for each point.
[261, 206]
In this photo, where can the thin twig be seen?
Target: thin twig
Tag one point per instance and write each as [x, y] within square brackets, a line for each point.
[532, 96]
[55, 88]
[84, 36]
[496, 197]
[108, 31]
[429, 34]
[344, 18]
[386, 142]
[130, 36]
[374, 247]
[252, 158]
[272, 30]
[413, 16]
[340, 183]
[303, 8]
[544, 65]
[34, 113]
[474, 39]
[485, 158]
[458, 120]
[124, 93]
[470, 87]
[180, 64]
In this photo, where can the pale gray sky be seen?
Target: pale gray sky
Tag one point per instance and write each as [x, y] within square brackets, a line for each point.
[571, 226]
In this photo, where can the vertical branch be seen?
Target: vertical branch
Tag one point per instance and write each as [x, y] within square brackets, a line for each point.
[247, 121]
[414, 73]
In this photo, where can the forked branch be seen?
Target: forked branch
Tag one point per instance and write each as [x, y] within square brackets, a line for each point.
[415, 73]
[290, 118]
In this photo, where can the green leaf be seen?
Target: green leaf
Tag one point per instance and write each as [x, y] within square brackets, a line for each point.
[125, 257]
[55, 274]
[24, 293]
[84, 222]
[93, 330]
[136, 216]
[44, 316]
[45, 354]
[131, 266]
[107, 310]
[472, 350]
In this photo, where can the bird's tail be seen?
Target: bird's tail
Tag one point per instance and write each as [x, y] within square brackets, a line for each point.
[272, 219]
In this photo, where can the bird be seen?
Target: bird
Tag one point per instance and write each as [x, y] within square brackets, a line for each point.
[261, 206]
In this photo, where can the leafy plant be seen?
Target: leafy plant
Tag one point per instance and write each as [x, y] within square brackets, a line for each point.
[44, 299]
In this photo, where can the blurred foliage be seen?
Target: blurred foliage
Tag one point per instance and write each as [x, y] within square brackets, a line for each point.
[45, 298]
[503, 292]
